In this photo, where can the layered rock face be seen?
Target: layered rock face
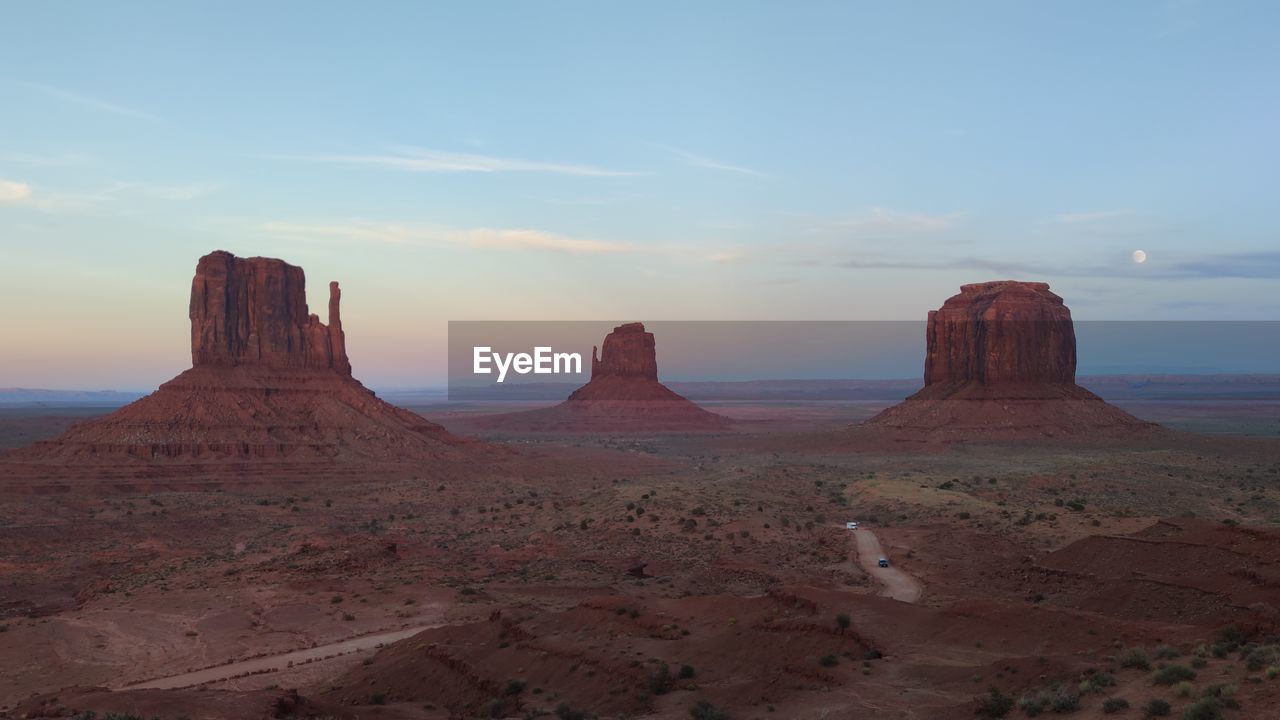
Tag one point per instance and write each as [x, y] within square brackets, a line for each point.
[628, 352]
[1000, 362]
[254, 312]
[269, 382]
[1001, 332]
[623, 395]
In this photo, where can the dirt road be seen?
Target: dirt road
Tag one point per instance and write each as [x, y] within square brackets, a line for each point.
[276, 662]
[897, 584]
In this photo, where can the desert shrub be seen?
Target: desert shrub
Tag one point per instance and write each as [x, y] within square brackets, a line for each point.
[1156, 708]
[686, 671]
[828, 661]
[514, 687]
[1203, 709]
[1134, 658]
[1183, 689]
[565, 712]
[1114, 705]
[1033, 705]
[1225, 695]
[1096, 682]
[1064, 701]
[378, 699]
[1199, 663]
[1170, 674]
[660, 680]
[1165, 652]
[704, 710]
[1262, 656]
[843, 621]
[872, 654]
[995, 705]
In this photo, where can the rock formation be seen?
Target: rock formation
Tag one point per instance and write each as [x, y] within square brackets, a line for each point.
[1000, 362]
[268, 381]
[623, 395]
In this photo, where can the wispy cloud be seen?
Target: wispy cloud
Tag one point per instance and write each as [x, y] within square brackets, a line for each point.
[14, 193]
[703, 161]
[883, 221]
[41, 160]
[92, 103]
[440, 161]
[417, 234]
[1088, 217]
[174, 193]
[1256, 265]
[21, 194]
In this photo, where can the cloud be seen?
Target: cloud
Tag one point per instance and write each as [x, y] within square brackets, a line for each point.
[175, 193]
[883, 221]
[439, 161]
[1088, 217]
[34, 159]
[705, 162]
[92, 103]
[14, 193]
[24, 195]
[485, 238]
[1255, 265]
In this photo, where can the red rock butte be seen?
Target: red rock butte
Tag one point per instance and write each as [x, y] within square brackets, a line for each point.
[1000, 363]
[268, 382]
[623, 395]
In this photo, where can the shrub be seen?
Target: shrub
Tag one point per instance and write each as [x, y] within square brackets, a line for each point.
[1170, 674]
[1134, 658]
[704, 710]
[1203, 709]
[378, 699]
[1096, 682]
[1064, 701]
[1165, 652]
[1033, 705]
[828, 661]
[660, 680]
[843, 621]
[1182, 689]
[1262, 656]
[995, 705]
[1114, 705]
[565, 712]
[514, 687]
[686, 671]
[1156, 708]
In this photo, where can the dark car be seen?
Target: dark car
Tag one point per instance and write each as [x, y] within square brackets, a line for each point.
[884, 562]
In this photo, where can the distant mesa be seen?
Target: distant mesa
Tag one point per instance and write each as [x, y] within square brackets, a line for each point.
[624, 394]
[1000, 363]
[269, 382]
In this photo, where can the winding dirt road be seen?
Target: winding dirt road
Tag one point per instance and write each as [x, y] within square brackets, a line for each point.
[897, 584]
[276, 662]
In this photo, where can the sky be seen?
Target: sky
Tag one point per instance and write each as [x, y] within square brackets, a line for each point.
[610, 161]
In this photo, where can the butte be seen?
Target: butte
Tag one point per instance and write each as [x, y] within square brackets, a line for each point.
[1000, 364]
[270, 387]
[623, 395]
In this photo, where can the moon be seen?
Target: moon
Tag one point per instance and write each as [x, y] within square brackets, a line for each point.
[1139, 256]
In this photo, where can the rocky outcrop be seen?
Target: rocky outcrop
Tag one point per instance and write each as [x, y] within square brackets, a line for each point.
[269, 382]
[623, 395]
[253, 311]
[1000, 363]
[1001, 332]
[628, 352]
